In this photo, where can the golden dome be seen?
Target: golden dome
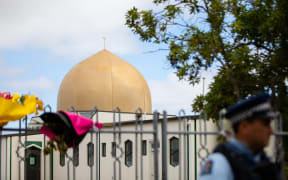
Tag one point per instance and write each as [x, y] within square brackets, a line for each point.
[106, 81]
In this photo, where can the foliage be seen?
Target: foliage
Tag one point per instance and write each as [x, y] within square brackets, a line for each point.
[246, 39]
[241, 37]
[60, 145]
[198, 35]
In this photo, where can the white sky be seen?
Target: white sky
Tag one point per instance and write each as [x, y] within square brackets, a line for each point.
[66, 26]
[42, 40]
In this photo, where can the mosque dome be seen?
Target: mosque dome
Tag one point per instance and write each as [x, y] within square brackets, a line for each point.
[106, 81]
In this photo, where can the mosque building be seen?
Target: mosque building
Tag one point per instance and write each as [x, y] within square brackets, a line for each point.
[108, 80]
[104, 81]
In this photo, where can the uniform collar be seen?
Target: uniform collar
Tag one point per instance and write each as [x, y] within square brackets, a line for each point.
[241, 148]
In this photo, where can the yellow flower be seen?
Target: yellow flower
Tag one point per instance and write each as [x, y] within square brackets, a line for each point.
[16, 97]
[18, 107]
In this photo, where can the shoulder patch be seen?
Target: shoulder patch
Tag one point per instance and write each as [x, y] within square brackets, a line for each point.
[207, 168]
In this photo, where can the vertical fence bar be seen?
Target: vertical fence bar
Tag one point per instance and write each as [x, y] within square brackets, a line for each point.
[48, 108]
[94, 111]
[18, 148]
[141, 137]
[182, 113]
[155, 143]
[6, 158]
[114, 141]
[164, 146]
[68, 168]
[74, 168]
[136, 144]
[185, 148]
[72, 109]
[51, 165]
[195, 150]
[91, 167]
[70, 159]
[136, 150]
[279, 153]
[44, 158]
[118, 145]
[97, 148]
[0, 152]
[141, 145]
[10, 158]
[180, 149]
[188, 150]
[203, 137]
[25, 141]
[99, 170]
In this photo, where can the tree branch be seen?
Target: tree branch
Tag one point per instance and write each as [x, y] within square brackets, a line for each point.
[153, 51]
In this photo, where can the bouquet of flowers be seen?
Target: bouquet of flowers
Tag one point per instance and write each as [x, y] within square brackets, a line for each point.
[65, 129]
[16, 107]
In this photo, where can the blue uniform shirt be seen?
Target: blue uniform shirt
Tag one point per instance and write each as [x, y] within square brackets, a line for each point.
[217, 167]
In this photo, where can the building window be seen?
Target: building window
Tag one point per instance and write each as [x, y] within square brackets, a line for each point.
[90, 153]
[174, 151]
[31, 160]
[144, 147]
[103, 149]
[62, 159]
[128, 153]
[76, 156]
[113, 152]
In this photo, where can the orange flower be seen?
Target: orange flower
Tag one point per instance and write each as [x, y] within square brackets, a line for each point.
[39, 105]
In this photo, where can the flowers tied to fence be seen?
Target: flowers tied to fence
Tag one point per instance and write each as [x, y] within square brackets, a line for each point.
[65, 129]
[16, 107]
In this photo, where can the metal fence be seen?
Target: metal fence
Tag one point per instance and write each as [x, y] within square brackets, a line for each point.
[162, 129]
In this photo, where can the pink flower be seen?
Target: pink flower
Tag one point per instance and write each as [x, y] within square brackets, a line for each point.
[6, 95]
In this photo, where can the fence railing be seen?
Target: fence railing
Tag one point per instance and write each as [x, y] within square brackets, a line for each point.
[178, 145]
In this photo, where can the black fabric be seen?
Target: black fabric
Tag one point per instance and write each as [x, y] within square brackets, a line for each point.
[60, 124]
[244, 170]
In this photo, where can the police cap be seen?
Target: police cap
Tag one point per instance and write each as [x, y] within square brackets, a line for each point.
[256, 106]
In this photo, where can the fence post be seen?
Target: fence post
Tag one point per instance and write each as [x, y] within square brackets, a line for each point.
[139, 116]
[44, 158]
[164, 146]
[25, 141]
[0, 151]
[97, 163]
[118, 145]
[184, 151]
[155, 144]
[136, 146]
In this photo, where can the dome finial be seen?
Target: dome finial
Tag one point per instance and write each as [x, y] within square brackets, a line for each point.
[104, 38]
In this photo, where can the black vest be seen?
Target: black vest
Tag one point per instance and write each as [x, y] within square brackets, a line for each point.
[245, 169]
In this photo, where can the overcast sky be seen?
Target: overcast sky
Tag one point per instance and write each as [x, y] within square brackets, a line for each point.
[40, 41]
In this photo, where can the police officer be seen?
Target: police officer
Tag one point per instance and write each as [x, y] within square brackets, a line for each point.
[242, 157]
